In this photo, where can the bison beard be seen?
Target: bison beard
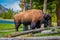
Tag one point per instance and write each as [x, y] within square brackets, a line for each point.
[32, 17]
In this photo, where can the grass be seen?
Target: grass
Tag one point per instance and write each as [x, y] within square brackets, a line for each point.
[6, 26]
[10, 31]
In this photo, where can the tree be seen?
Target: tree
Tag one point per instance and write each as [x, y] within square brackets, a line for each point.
[4, 15]
[38, 4]
[30, 4]
[58, 12]
[23, 5]
[51, 6]
[8, 14]
[44, 7]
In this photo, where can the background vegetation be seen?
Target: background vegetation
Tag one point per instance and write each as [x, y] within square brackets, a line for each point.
[36, 4]
[51, 7]
[8, 14]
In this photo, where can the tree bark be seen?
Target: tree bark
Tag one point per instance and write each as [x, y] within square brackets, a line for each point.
[58, 12]
[23, 5]
[44, 8]
[30, 4]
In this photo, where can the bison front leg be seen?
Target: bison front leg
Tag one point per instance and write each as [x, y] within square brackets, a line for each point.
[45, 24]
[32, 26]
[38, 24]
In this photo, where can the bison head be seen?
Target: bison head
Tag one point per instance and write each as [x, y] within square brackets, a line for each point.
[47, 20]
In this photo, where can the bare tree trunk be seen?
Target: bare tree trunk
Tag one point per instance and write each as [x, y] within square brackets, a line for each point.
[44, 8]
[23, 5]
[30, 4]
[58, 12]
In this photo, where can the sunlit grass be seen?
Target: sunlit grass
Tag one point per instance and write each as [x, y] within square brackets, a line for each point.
[8, 27]
[12, 31]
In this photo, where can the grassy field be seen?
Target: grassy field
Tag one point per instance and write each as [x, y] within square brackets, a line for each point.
[4, 27]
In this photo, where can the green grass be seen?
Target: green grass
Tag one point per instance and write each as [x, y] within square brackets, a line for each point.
[0, 18]
[10, 31]
[6, 26]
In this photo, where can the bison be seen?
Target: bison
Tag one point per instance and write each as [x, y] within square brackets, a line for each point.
[33, 17]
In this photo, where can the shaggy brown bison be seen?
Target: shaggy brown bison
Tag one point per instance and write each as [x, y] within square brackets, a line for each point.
[32, 17]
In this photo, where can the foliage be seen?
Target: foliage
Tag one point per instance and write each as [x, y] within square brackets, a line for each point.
[0, 14]
[4, 15]
[51, 7]
[7, 15]
[38, 4]
[10, 14]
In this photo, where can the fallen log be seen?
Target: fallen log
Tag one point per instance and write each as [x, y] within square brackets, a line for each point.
[32, 31]
[47, 32]
[34, 38]
[51, 32]
[26, 32]
[43, 38]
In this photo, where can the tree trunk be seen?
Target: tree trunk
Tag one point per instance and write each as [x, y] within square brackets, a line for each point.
[30, 4]
[44, 8]
[23, 5]
[58, 12]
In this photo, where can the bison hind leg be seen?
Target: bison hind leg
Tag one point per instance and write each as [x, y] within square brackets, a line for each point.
[17, 25]
[25, 28]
